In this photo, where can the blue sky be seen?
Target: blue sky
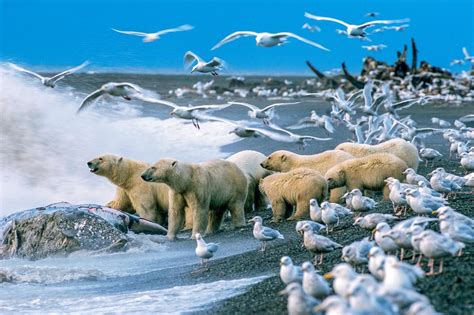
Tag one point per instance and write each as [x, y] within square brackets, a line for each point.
[57, 33]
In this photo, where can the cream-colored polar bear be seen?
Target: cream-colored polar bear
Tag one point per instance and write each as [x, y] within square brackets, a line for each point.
[293, 188]
[398, 147]
[249, 163]
[149, 200]
[284, 161]
[208, 189]
[366, 173]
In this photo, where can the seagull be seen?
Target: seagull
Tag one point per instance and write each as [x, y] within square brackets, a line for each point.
[455, 228]
[311, 28]
[204, 250]
[375, 47]
[361, 203]
[397, 194]
[441, 184]
[466, 55]
[211, 67]
[386, 244]
[288, 272]
[124, 90]
[376, 262]
[264, 234]
[456, 62]
[315, 120]
[299, 303]
[400, 275]
[429, 155]
[151, 37]
[267, 39]
[329, 217]
[372, 14]
[413, 178]
[266, 113]
[314, 284]
[467, 161]
[343, 275]
[370, 221]
[354, 30]
[315, 212]
[434, 245]
[423, 204]
[317, 227]
[357, 252]
[289, 136]
[50, 81]
[456, 215]
[317, 243]
[370, 106]
[193, 113]
[397, 28]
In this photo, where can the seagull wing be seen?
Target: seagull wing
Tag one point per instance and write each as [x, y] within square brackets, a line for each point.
[304, 40]
[270, 233]
[214, 118]
[18, 68]
[270, 134]
[190, 57]
[303, 123]
[129, 85]
[61, 75]
[215, 62]
[234, 36]
[250, 106]
[466, 53]
[315, 138]
[372, 23]
[185, 27]
[210, 107]
[157, 101]
[131, 32]
[328, 125]
[90, 99]
[269, 107]
[323, 18]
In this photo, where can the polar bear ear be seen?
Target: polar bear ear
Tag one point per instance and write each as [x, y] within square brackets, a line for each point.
[283, 158]
[120, 159]
[174, 163]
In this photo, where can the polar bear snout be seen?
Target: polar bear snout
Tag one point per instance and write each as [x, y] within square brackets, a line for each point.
[146, 176]
[92, 166]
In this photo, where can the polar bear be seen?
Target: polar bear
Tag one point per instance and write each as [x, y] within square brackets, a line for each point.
[208, 189]
[249, 163]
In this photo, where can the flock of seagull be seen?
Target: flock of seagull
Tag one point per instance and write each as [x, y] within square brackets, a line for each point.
[389, 287]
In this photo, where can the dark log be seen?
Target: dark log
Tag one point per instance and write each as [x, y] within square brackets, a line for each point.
[326, 81]
[414, 53]
[356, 83]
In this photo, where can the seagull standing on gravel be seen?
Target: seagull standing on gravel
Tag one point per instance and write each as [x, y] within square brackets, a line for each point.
[354, 30]
[317, 227]
[423, 204]
[288, 272]
[385, 243]
[204, 250]
[124, 90]
[318, 244]
[50, 81]
[467, 161]
[376, 262]
[400, 275]
[211, 67]
[370, 221]
[315, 212]
[266, 113]
[264, 234]
[343, 275]
[313, 283]
[434, 245]
[267, 39]
[151, 37]
[413, 178]
[361, 203]
[440, 183]
[429, 155]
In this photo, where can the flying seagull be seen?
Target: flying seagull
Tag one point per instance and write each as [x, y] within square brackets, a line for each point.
[201, 66]
[151, 37]
[466, 55]
[123, 89]
[265, 113]
[265, 39]
[354, 30]
[50, 81]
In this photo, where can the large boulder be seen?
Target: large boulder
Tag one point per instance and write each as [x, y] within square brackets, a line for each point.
[60, 229]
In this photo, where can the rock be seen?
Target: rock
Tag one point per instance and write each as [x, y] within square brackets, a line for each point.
[58, 229]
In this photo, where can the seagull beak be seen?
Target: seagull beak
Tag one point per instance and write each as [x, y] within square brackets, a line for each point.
[251, 220]
[430, 174]
[328, 276]
[434, 212]
[282, 292]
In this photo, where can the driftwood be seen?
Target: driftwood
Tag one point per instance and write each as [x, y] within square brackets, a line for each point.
[326, 81]
[414, 59]
[356, 83]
